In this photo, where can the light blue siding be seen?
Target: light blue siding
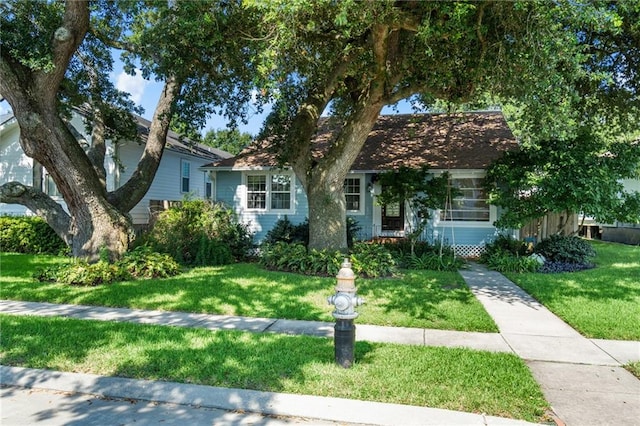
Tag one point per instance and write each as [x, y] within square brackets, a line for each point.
[166, 184]
[451, 235]
[227, 184]
[230, 190]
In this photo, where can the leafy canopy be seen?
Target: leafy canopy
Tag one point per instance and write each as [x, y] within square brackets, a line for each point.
[578, 175]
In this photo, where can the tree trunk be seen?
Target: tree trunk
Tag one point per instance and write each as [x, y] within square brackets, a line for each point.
[325, 188]
[98, 227]
[94, 224]
[327, 216]
[95, 221]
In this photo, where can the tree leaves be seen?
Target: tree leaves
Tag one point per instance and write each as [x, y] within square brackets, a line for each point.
[580, 175]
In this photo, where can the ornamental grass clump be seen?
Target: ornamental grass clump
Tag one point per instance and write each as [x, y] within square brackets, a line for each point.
[506, 254]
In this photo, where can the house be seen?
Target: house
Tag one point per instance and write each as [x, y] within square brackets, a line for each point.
[178, 174]
[461, 144]
[619, 232]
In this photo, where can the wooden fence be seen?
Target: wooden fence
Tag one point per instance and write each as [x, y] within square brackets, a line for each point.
[552, 223]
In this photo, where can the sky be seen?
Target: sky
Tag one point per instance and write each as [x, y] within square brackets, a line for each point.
[146, 93]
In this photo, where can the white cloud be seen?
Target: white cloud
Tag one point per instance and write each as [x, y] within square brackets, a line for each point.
[133, 84]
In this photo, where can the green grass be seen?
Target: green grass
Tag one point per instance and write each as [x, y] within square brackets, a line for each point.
[634, 368]
[600, 303]
[419, 299]
[457, 379]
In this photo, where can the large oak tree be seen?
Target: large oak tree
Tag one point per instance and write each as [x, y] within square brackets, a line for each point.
[58, 55]
[356, 57]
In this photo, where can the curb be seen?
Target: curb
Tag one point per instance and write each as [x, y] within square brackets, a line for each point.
[266, 403]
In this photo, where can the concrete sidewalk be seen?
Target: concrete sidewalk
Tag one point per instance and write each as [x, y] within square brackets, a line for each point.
[581, 378]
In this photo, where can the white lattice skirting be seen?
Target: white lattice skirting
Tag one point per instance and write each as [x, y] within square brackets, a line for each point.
[468, 250]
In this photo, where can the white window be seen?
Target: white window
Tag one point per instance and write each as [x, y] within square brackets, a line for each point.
[185, 175]
[354, 194]
[270, 191]
[257, 192]
[280, 192]
[471, 203]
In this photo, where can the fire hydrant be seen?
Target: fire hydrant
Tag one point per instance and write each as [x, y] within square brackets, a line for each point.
[345, 301]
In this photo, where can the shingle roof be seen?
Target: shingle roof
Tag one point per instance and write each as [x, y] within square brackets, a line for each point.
[440, 141]
[182, 145]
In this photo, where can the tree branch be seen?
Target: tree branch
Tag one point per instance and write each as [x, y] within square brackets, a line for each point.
[130, 194]
[39, 203]
[66, 40]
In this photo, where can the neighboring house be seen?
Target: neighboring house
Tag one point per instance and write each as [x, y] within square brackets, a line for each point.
[177, 176]
[461, 144]
[628, 233]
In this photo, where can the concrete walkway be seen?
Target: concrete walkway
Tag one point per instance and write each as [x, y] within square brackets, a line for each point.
[581, 378]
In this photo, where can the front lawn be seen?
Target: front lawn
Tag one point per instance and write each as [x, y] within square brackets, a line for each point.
[423, 299]
[458, 379]
[601, 303]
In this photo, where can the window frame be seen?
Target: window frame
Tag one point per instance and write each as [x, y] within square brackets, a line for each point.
[49, 187]
[184, 163]
[469, 223]
[361, 210]
[209, 188]
[269, 192]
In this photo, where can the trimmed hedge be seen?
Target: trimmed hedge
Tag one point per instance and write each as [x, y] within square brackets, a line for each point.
[30, 235]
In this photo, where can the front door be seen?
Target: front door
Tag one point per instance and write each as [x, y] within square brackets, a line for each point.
[393, 217]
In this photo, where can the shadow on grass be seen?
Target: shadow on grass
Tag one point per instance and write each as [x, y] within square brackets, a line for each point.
[162, 354]
[418, 298]
[265, 362]
[23, 265]
[413, 375]
[248, 290]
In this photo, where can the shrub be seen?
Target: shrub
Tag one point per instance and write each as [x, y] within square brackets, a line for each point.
[568, 249]
[325, 262]
[82, 273]
[504, 244]
[197, 232]
[368, 260]
[141, 262]
[503, 261]
[426, 256]
[29, 234]
[557, 267]
[212, 252]
[372, 260]
[433, 261]
[284, 230]
[401, 247]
